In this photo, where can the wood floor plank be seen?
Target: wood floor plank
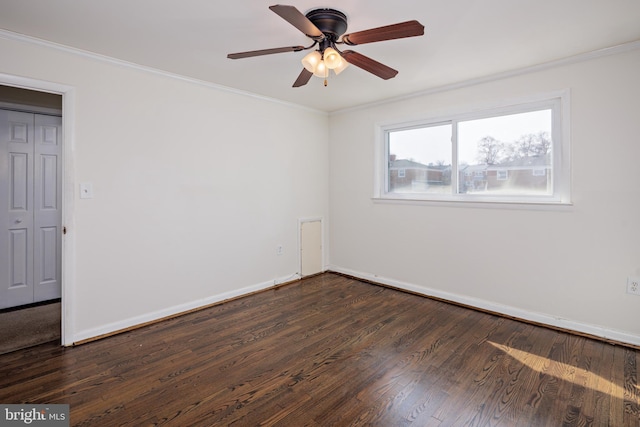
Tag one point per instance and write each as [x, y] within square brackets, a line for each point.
[631, 392]
[331, 350]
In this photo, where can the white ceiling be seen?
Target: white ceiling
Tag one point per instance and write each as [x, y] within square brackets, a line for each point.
[464, 39]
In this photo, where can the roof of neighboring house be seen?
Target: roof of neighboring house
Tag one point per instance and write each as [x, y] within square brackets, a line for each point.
[406, 164]
[410, 164]
[473, 168]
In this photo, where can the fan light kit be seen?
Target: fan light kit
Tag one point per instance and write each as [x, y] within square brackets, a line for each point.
[326, 27]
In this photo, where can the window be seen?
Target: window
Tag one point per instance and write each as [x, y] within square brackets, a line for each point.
[516, 153]
[423, 170]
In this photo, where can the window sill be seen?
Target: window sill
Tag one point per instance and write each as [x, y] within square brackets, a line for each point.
[552, 205]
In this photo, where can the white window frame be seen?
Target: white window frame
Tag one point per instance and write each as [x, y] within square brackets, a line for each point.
[558, 102]
[402, 173]
[502, 175]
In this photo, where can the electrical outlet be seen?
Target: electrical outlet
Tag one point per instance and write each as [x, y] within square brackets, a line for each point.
[279, 250]
[633, 285]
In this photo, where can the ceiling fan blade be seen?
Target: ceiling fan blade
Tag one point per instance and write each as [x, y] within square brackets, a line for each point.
[261, 52]
[294, 17]
[368, 64]
[303, 78]
[388, 32]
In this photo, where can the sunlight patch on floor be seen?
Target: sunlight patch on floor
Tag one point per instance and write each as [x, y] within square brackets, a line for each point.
[547, 366]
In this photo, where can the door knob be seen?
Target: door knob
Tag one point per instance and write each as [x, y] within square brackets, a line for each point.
[18, 221]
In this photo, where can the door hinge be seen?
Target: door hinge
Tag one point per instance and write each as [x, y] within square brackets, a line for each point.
[64, 230]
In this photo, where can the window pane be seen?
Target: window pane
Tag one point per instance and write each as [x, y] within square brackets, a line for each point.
[506, 155]
[420, 160]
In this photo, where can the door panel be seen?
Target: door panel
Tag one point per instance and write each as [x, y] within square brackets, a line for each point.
[18, 258]
[49, 179]
[20, 289]
[19, 127]
[48, 132]
[19, 182]
[49, 246]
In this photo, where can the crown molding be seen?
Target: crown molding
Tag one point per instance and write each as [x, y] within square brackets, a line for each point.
[582, 57]
[10, 35]
[574, 59]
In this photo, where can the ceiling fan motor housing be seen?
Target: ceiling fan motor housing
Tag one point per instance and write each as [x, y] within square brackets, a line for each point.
[331, 22]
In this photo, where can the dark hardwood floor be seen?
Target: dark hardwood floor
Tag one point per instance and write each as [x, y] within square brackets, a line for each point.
[332, 351]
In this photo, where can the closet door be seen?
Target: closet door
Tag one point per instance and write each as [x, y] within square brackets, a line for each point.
[30, 215]
[47, 212]
[16, 208]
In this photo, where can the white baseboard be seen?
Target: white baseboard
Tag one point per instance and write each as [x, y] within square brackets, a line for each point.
[131, 322]
[542, 318]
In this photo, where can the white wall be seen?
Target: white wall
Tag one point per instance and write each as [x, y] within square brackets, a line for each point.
[562, 266]
[195, 187]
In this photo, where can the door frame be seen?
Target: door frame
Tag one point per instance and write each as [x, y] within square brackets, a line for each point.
[68, 249]
[300, 222]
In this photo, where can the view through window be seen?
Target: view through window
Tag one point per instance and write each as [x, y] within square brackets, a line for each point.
[420, 160]
[507, 155]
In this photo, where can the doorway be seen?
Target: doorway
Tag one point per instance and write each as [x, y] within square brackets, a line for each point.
[30, 204]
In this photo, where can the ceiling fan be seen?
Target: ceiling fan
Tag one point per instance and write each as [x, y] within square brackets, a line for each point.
[326, 27]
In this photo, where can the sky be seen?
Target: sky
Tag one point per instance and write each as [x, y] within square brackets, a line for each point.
[433, 144]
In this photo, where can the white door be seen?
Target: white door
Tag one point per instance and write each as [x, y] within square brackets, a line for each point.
[310, 247]
[30, 212]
